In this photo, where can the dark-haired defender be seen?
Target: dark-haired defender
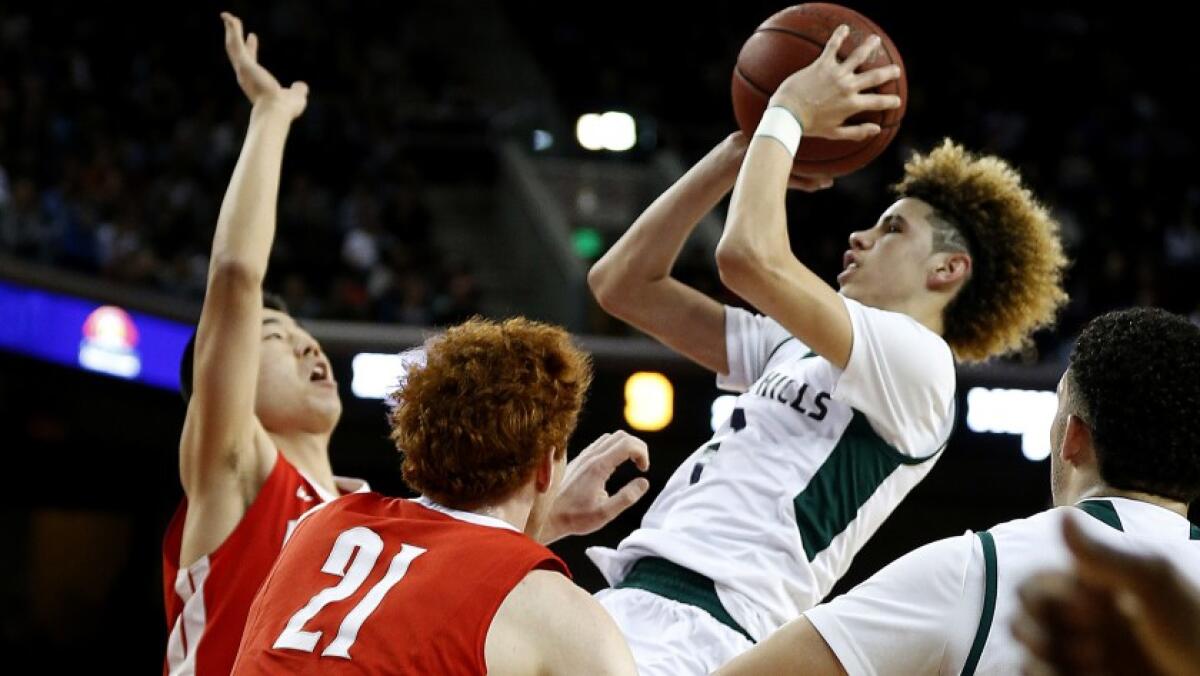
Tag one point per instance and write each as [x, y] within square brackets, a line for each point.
[1124, 463]
[254, 452]
[847, 397]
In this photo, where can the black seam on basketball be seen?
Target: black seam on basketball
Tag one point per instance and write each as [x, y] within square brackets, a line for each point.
[754, 85]
[788, 31]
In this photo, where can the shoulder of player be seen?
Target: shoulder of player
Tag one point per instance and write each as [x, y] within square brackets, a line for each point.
[894, 321]
[915, 348]
[1035, 525]
[550, 605]
[570, 624]
[544, 590]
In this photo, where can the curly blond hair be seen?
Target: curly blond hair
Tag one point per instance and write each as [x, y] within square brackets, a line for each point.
[491, 399]
[1017, 257]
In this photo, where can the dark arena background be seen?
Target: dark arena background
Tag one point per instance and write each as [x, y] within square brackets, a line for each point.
[440, 171]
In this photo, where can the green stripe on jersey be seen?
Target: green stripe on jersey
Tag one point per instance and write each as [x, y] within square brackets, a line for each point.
[989, 603]
[1195, 532]
[781, 344]
[1104, 511]
[859, 463]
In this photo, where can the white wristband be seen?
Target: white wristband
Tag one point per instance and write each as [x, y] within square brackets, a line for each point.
[780, 124]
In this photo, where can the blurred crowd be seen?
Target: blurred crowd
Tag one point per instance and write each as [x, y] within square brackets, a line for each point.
[115, 149]
[1086, 103]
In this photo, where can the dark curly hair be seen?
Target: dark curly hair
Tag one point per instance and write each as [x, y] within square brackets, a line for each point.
[489, 402]
[981, 206]
[1134, 378]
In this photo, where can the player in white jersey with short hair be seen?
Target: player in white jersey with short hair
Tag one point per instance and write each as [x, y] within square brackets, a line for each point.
[848, 397]
[1114, 611]
[1124, 463]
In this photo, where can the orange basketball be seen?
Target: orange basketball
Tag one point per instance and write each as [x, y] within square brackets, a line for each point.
[792, 39]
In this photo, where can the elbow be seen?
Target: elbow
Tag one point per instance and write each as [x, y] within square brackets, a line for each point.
[233, 275]
[604, 287]
[738, 266]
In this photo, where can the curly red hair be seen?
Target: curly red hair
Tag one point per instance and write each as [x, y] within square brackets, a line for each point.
[491, 399]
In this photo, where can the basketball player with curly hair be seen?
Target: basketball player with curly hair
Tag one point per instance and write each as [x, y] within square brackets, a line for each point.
[847, 396]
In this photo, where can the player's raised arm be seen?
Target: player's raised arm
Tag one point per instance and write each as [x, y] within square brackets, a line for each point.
[755, 256]
[221, 432]
[633, 281]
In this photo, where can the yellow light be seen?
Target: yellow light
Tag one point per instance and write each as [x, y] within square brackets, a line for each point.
[649, 401]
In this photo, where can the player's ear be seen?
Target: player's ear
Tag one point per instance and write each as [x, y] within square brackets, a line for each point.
[1077, 441]
[948, 270]
[544, 472]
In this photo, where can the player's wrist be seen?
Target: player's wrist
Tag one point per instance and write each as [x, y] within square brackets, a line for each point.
[783, 125]
[550, 532]
[273, 107]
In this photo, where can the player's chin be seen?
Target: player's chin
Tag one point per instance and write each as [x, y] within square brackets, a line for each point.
[321, 399]
[325, 413]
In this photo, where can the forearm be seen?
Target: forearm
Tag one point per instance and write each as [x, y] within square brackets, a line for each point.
[756, 262]
[756, 227]
[246, 224]
[648, 250]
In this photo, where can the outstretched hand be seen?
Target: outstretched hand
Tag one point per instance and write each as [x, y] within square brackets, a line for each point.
[257, 82]
[583, 504]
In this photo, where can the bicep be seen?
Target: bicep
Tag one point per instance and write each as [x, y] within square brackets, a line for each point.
[796, 648]
[901, 619]
[220, 428]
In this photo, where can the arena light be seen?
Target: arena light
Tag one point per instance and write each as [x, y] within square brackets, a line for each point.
[649, 401]
[587, 242]
[542, 140]
[1028, 413]
[80, 333]
[109, 343]
[376, 376]
[613, 130]
[722, 408]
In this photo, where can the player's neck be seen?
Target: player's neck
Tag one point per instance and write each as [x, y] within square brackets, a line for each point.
[1103, 491]
[515, 509]
[309, 453]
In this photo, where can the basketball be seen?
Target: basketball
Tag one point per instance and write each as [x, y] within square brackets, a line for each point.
[792, 39]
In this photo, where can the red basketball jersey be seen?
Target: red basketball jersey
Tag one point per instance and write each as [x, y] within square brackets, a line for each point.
[376, 585]
[207, 602]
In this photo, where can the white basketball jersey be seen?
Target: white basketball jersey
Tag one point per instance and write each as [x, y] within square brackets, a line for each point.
[813, 459]
[946, 608]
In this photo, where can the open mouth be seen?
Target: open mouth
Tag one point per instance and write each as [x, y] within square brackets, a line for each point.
[319, 373]
[849, 262]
